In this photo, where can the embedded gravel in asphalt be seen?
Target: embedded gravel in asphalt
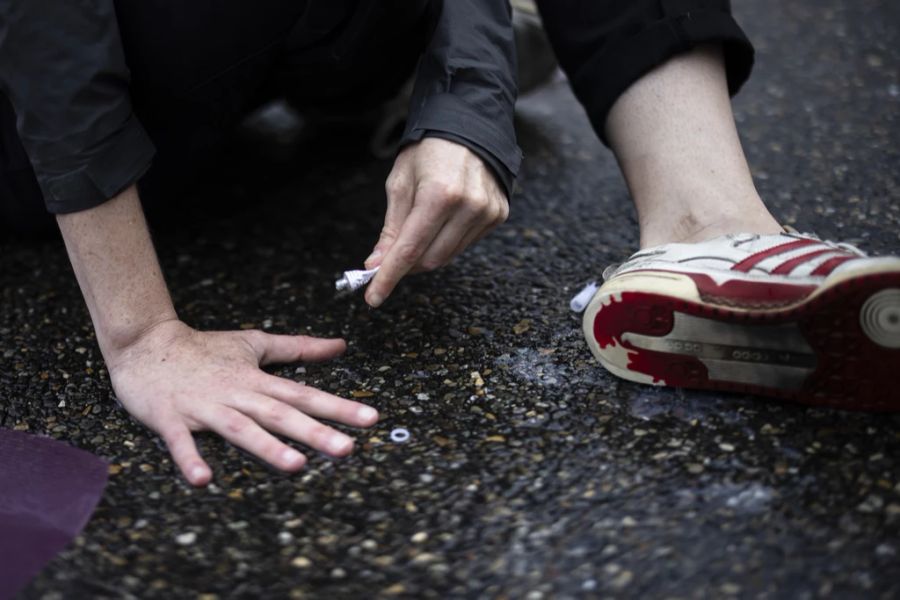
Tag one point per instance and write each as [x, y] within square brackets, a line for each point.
[529, 471]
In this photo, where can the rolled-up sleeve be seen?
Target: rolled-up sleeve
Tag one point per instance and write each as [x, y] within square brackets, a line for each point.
[63, 69]
[465, 87]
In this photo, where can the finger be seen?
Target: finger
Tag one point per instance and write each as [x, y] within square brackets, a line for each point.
[317, 403]
[418, 231]
[244, 432]
[471, 237]
[271, 348]
[465, 225]
[180, 442]
[400, 192]
[476, 235]
[283, 419]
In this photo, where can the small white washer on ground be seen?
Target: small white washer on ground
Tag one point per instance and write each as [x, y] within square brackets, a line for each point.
[399, 435]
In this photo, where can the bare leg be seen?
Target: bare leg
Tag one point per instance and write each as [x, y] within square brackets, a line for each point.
[674, 136]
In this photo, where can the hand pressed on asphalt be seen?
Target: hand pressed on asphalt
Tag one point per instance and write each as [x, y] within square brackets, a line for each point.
[441, 197]
[176, 380]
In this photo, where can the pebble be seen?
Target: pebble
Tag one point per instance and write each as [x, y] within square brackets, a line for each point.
[186, 539]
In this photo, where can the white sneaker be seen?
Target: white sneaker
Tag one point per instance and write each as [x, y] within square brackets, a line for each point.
[784, 315]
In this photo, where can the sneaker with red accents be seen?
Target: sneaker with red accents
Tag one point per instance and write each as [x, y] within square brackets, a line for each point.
[785, 315]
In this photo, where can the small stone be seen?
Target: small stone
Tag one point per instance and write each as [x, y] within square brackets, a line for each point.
[726, 447]
[362, 394]
[694, 468]
[522, 326]
[284, 538]
[186, 539]
[383, 561]
[476, 379]
[394, 590]
[301, 562]
[495, 438]
[871, 504]
[419, 537]
[730, 589]
[425, 557]
[338, 573]
[622, 580]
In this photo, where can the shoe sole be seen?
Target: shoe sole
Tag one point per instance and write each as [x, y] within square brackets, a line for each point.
[839, 347]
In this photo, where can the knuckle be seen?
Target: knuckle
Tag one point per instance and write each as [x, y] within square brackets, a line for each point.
[480, 203]
[255, 337]
[396, 185]
[408, 253]
[504, 213]
[432, 263]
[173, 437]
[236, 423]
[444, 193]
[388, 232]
[276, 413]
[320, 434]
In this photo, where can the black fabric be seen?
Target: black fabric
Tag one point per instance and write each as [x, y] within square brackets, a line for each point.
[96, 87]
[467, 88]
[606, 46]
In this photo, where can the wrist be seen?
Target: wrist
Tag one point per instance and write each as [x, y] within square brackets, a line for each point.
[116, 338]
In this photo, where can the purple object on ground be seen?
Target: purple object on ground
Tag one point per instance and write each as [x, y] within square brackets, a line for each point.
[48, 491]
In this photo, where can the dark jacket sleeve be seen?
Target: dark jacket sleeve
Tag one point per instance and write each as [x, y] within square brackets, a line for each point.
[466, 85]
[63, 69]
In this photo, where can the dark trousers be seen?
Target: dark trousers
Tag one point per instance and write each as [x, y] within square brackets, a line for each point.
[198, 67]
[606, 45]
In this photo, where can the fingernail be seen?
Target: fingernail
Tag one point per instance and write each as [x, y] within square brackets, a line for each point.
[291, 457]
[367, 414]
[375, 300]
[339, 444]
[198, 473]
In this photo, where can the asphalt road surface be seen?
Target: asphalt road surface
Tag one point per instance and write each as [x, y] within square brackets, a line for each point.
[529, 472]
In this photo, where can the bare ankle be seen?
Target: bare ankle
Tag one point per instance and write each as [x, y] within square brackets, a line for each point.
[691, 227]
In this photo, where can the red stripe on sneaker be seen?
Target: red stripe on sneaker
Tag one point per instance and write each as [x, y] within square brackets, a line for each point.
[789, 265]
[749, 262]
[831, 264]
[751, 293]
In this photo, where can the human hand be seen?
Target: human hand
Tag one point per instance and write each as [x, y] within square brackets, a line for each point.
[441, 198]
[176, 380]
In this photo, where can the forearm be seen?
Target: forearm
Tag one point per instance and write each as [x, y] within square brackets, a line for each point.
[117, 269]
[465, 89]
